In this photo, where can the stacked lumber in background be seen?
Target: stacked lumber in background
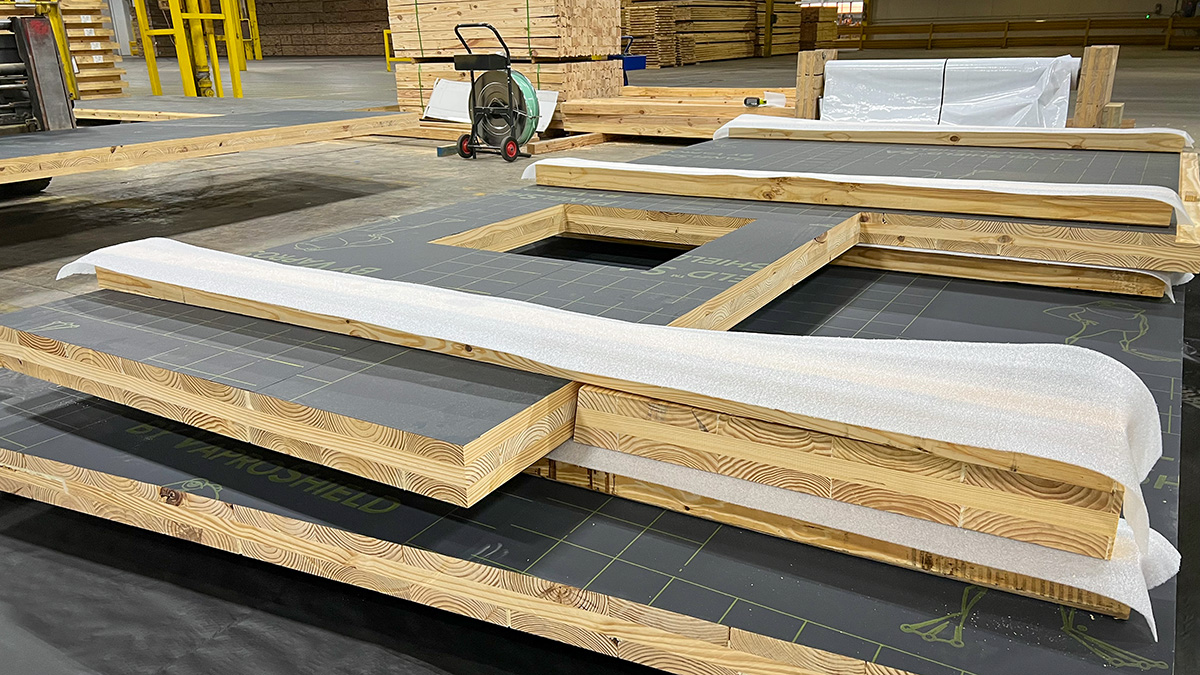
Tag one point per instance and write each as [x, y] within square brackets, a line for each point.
[1019, 497]
[538, 29]
[90, 38]
[322, 27]
[681, 112]
[553, 42]
[783, 19]
[818, 27]
[652, 25]
[723, 29]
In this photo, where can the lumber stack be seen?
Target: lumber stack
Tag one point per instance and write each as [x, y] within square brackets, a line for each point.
[93, 52]
[653, 28]
[818, 27]
[322, 27]
[723, 29]
[539, 29]
[681, 112]
[1041, 502]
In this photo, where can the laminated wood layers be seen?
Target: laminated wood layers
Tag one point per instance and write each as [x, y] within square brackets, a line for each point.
[419, 457]
[605, 624]
[1079, 517]
[536, 29]
[683, 112]
[824, 537]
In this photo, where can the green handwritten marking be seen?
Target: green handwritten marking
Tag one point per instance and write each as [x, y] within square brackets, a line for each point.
[1109, 319]
[197, 486]
[1166, 480]
[1113, 656]
[931, 630]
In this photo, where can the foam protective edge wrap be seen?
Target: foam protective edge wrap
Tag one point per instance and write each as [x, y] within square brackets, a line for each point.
[1013, 187]
[770, 123]
[1064, 403]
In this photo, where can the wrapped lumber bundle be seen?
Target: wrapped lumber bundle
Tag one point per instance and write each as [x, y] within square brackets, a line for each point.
[533, 29]
[722, 29]
[90, 40]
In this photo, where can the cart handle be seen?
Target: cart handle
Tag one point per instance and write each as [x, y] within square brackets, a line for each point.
[488, 26]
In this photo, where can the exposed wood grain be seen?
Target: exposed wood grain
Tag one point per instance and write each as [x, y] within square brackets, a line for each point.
[461, 475]
[810, 81]
[1026, 464]
[659, 639]
[1097, 72]
[140, 154]
[1048, 512]
[846, 192]
[816, 535]
[1125, 282]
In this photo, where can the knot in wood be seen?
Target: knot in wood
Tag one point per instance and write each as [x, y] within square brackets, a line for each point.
[172, 497]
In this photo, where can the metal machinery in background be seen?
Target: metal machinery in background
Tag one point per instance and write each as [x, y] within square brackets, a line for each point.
[194, 32]
[34, 92]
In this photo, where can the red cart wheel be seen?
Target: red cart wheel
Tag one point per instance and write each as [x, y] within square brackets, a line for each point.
[511, 150]
[464, 147]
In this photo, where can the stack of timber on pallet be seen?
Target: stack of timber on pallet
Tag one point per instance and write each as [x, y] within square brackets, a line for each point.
[90, 38]
[818, 27]
[784, 20]
[552, 43]
[538, 29]
[682, 112]
[722, 29]
[652, 26]
[322, 27]
[685, 42]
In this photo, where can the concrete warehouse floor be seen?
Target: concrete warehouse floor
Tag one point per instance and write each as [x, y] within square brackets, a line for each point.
[245, 202]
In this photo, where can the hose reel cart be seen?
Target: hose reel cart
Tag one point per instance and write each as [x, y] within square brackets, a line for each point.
[503, 105]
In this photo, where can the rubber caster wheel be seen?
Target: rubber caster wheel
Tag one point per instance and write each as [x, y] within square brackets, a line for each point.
[464, 147]
[510, 150]
[25, 188]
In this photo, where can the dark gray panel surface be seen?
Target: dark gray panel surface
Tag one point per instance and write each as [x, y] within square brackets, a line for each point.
[91, 138]
[434, 395]
[932, 161]
[847, 605]
[398, 249]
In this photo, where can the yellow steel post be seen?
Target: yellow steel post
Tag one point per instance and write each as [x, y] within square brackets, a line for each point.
[181, 48]
[252, 19]
[213, 61]
[199, 50]
[239, 39]
[139, 10]
[235, 74]
[54, 13]
[387, 49]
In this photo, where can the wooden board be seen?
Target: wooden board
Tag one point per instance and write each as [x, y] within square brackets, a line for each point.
[1003, 270]
[61, 153]
[810, 81]
[823, 537]
[1055, 513]
[419, 455]
[1080, 139]
[846, 192]
[608, 625]
[1010, 461]
[1097, 72]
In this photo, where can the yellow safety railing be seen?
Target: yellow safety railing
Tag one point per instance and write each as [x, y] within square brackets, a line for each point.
[195, 40]
[389, 51]
[50, 9]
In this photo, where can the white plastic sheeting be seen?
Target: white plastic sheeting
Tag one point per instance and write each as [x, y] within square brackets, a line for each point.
[1013, 92]
[895, 90]
[1061, 402]
[450, 100]
[1156, 193]
[1024, 92]
[750, 121]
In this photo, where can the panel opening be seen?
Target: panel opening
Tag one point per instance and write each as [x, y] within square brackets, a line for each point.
[600, 235]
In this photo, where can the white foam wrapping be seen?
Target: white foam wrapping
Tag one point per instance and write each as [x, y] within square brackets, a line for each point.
[451, 100]
[1060, 402]
[768, 122]
[1156, 193]
[1012, 92]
